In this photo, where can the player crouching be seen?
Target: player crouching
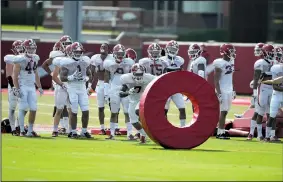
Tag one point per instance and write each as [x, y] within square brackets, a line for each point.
[74, 71]
[133, 85]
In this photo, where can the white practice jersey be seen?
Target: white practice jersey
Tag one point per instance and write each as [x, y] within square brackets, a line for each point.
[98, 62]
[227, 70]
[54, 54]
[28, 66]
[194, 64]
[117, 70]
[73, 65]
[127, 79]
[264, 66]
[277, 71]
[176, 62]
[154, 67]
[9, 58]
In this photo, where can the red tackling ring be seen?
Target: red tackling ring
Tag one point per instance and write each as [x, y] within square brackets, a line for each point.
[203, 98]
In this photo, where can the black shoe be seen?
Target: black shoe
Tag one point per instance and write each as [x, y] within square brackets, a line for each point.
[15, 133]
[223, 136]
[74, 135]
[86, 135]
[70, 135]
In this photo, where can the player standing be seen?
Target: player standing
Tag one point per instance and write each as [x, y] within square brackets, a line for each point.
[17, 49]
[175, 63]
[97, 61]
[133, 85]
[223, 81]
[24, 76]
[257, 72]
[114, 69]
[74, 71]
[198, 63]
[277, 97]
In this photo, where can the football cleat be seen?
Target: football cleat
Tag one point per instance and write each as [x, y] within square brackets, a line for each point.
[260, 138]
[223, 136]
[142, 140]
[274, 139]
[102, 132]
[110, 137]
[23, 134]
[137, 135]
[131, 137]
[117, 131]
[62, 131]
[15, 133]
[32, 134]
[55, 134]
[250, 137]
[86, 135]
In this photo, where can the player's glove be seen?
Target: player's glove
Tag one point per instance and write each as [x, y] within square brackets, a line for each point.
[123, 94]
[77, 75]
[219, 98]
[17, 92]
[40, 91]
[234, 95]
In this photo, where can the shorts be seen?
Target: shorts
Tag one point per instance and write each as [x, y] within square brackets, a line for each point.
[12, 99]
[29, 98]
[264, 97]
[276, 103]
[100, 93]
[78, 97]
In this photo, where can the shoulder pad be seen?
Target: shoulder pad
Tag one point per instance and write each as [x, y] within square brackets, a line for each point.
[66, 61]
[149, 76]
[86, 59]
[126, 78]
[56, 61]
[218, 63]
[9, 58]
[108, 62]
[54, 54]
[129, 61]
[180, 59]
[19, 59]
[257, 65]
[201, 60]
[36, 58]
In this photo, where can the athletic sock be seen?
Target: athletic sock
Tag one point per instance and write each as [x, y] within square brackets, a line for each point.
[12, 119]
[259, 130]
[55, 128]
[142, 132]
[65, 122]
[267, 132]
[129, 128]
[112, 128]
[272, 133]
[252, 127]
[102, 126]
[30, 128]
[21, 117]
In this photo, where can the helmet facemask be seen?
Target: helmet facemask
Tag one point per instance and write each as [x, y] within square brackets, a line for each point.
[232, 54]
[154, 54]
[172, 51]
[194, 53]
[30, 50]
[257, 51]
[119, 56]
[138, 77]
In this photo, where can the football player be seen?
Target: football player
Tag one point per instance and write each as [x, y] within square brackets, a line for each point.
[277, 97]
[17, 49]
[97, 61]
[175, 63]
[198, 63]
[131, 53]
[74, 71]
[133, 85]
[223, 81]
[24, 76]
[58, 51]
[114, 69]
[257, 72]
[264, 91]
[61, 94]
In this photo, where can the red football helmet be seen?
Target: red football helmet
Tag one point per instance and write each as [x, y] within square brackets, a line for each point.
[29, 47]
[154, 51]
[77, 50]
[68, 50]
[138, 71]
[172, 48]
[17, 47]
[58, 46]
[278, 54]
[268, 52]
[258, 49]
[66, 40]
[203, 47]
[131, 53]
[194, 51]
[104, 49]
[119, 53]
[229, 50]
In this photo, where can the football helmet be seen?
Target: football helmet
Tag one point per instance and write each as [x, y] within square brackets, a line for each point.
[77, 50]
[29, 47]
[131, 53]
[154, 51]
[278, 54]
[194, 51]
[172, 48]
[17, 47]
[119, 53]
[258, 49]
[229, 50]
[138, 71]
[268, 52]
[104, 49]
[68, 50]
[58, 46]
[66, 40]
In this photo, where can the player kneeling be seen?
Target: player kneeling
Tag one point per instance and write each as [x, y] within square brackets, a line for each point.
[133, 85]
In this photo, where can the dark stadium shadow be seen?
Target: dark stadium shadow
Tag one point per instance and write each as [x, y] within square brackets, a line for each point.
[196, 149]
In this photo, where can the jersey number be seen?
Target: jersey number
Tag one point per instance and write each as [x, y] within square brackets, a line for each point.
[29, 69]
[137, 89]
[158, 69]
[229, 69]
[119, 71]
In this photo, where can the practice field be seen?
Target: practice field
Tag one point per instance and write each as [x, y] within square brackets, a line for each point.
[48, 158]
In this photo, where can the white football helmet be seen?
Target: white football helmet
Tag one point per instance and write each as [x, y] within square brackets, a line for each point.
[138, 72]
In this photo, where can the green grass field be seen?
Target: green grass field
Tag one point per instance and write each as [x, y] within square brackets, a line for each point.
[42, 29]
[48, 158]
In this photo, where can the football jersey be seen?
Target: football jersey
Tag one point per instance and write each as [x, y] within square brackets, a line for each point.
[176, 62]
[73, 65]
[157, 67]
[28, 66]
[227, 70]
[117, 70]
[98, 62]
[194, 64]
[263, 66]
[54, 54]
[277, 70]
[127, 79]
[9, 58]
